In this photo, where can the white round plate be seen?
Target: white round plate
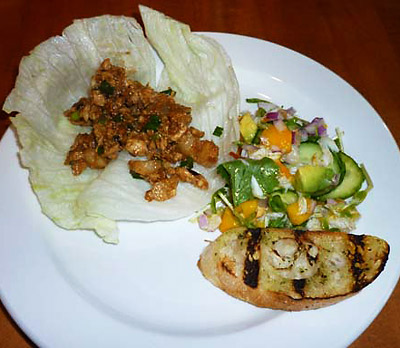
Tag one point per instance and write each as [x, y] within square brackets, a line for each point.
[69, 289]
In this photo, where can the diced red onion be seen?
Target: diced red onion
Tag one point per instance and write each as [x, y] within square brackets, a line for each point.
[296, 138]
[270, 116]
[322, 130]
[331, 201]
[303, 135]
[291, 111]
[203, 222]
[313, 127]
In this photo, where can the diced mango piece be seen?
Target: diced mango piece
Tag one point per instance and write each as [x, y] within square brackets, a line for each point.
[284, 170]
[296, 212]
[282, 139]
[248, 208]
[228, 221]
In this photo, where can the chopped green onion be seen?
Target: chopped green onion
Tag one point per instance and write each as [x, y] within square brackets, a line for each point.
[188, 163]
[102, 119]
[256, 100]
[118, 118]
[339, 139]
[135, 175]
[218, 131]
[153, 123]
[169, 91]
[106, 88]
[75, 116]
[368, 179]
[100, 150]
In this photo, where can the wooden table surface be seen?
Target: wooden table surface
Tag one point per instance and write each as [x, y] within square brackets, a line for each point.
[357, 39]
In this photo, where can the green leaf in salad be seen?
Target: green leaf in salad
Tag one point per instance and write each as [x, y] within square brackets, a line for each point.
[239, 180]
[238, 175]
[278, 222]
[266, 172]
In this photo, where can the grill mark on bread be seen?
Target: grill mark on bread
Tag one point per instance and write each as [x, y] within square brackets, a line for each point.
[252, 263]
[357, 261]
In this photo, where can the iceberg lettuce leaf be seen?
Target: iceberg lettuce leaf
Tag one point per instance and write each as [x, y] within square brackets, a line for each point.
[52, 78]
[57, 73]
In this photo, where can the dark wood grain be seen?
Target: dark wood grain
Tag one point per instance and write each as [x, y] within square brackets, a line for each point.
[357, 39]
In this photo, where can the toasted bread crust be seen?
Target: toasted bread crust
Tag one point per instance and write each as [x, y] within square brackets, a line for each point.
[223, 263]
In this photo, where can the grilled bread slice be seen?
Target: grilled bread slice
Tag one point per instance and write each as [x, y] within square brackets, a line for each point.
[292, 270]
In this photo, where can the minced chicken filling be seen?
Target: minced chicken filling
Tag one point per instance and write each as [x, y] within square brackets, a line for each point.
[126, 115]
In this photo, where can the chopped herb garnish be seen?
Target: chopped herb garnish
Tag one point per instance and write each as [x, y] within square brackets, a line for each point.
[218, 131]
[100, 150]
[130, 127]
[135, 175]
[153, 123]
[102, 119]
[118, 118]
[75, 116]
[256, 100]
[106, 88]
[169, 91]
[188, 163]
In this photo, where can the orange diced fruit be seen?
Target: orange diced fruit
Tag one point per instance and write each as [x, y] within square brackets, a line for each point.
[228, 221]
[295, 213]
[284, 170]
[248, 208]
[282, 139]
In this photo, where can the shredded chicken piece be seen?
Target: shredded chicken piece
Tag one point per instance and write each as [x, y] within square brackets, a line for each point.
[163, 189]
[126, 115]
[192, 177]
